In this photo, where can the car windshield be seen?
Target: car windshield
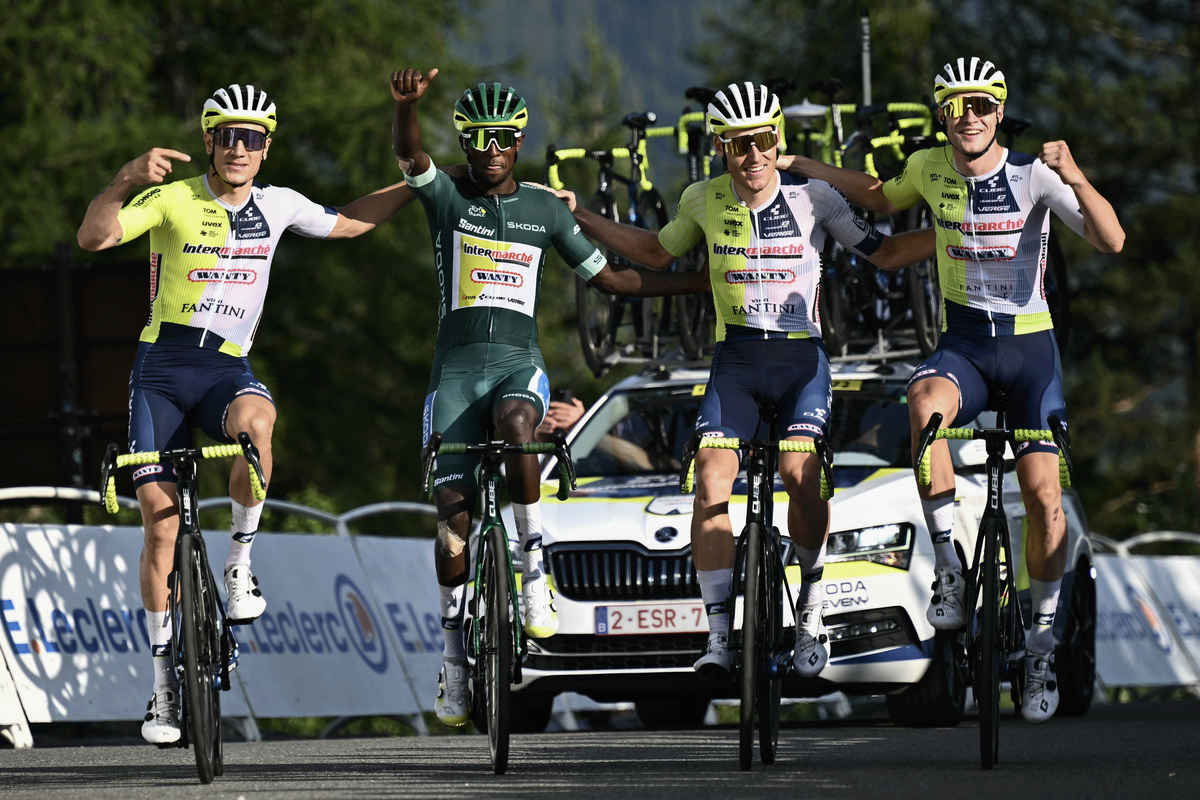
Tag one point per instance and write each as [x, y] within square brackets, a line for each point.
[644, 431]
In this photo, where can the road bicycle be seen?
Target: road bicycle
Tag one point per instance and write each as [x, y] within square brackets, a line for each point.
[203, 648]
[995, 641]
[495, 636]
[600, 316]
[764, 644]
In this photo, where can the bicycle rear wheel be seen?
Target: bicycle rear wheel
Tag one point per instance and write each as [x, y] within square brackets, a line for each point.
[924, 293]
[198, 618]
[770, 632]
[695, 313]
[991, 649]
[597, 314]
[652, 313]
[497, 655]
[751, 595]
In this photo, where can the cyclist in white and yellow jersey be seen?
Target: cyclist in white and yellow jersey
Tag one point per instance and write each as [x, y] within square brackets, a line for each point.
[212, 240]
[765, 231]
[991, 207]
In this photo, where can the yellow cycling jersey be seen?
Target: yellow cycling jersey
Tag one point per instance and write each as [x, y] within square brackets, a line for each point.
[765, 263]
[992, 234]
[210, 262]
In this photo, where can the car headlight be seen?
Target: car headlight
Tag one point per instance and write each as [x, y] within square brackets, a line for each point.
[882, 544]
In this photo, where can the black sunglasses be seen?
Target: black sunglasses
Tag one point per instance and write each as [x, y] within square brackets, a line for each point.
[252, 138]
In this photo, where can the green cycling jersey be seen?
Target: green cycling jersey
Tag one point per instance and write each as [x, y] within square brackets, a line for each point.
[489, 252]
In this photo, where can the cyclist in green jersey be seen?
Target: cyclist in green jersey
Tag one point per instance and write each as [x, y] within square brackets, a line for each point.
[490, 237]
[764, 232]
[991, 208]
[212, 241]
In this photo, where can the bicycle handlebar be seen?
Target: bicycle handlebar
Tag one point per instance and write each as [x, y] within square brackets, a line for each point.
[933, 431]
[559, 447]
[818, 446]
[246, 448]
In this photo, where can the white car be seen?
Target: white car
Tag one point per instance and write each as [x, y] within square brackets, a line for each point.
[631, 619]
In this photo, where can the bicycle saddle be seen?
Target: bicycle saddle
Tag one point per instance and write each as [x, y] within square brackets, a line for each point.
[701, 94]
[1014, 126]
[828, 86]
[639, 122]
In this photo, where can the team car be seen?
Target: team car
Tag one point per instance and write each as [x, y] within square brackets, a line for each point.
[631, 621]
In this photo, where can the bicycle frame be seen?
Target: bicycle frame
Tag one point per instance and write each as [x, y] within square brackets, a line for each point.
[489, 485]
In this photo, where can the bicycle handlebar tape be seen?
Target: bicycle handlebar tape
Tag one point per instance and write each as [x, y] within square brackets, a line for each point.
[110, 496]
[221, 451]
[564, 480]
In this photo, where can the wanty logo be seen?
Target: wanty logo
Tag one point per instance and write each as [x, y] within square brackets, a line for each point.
[497, 276]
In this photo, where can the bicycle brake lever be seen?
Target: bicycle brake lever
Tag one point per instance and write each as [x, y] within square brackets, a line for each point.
[689, 455]
[1062, 439]
[428, 452]
[928, 436]
[563, 453]
[251, 454]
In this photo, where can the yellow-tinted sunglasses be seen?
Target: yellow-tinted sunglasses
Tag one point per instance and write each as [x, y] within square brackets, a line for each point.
[481, 138]
[957, 106]
[740, 145]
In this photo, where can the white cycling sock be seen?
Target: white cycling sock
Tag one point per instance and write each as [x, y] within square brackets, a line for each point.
[812, 595]
[529, 536]
[243, 527]
[1044, 595]
[715, 587]
[158, 625]
[452, 617]
[939, 518]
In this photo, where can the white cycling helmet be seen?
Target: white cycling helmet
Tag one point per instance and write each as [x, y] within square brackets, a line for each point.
[238, 104]
[744, 105]
[974, 77]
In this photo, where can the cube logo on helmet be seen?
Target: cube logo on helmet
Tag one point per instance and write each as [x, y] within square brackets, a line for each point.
[238, 104]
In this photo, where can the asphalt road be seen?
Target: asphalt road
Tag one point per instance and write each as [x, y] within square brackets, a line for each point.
[1124, 751]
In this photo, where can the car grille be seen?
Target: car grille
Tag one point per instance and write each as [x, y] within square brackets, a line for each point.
[584, 651]
[622, 572]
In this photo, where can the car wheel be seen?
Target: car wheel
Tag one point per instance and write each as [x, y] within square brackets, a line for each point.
[935, 701]
[1075, 656]
[530, 714]
[661, 714]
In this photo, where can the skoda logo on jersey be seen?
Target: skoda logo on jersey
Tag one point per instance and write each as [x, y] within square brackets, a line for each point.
[665, 535]
[249, 223]
[1154, 625]
[360, 624]
[527, 226]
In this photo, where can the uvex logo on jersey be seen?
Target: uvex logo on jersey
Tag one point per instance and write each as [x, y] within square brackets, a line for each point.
[496, 274]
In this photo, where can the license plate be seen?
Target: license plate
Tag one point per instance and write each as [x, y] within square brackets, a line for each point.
[656, 618]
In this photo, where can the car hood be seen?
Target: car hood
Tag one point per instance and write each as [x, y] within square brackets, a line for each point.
[650, 510]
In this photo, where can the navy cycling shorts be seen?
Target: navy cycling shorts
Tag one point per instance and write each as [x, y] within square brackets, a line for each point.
[748, 370]
[172, 388]
[1026, 367]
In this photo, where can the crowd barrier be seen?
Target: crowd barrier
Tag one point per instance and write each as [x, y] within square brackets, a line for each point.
[353, 625]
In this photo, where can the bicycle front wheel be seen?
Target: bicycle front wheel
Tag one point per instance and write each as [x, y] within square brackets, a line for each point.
[198, 618]
[770, 632]
[750, 642]
[924, 293]
[695, 315]
[991, 649]
[497, 655]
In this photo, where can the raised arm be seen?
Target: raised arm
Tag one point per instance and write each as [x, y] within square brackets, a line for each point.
[100, 228]
[859, 187]
[366, 212]
[408, 86]
[1100, 224]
